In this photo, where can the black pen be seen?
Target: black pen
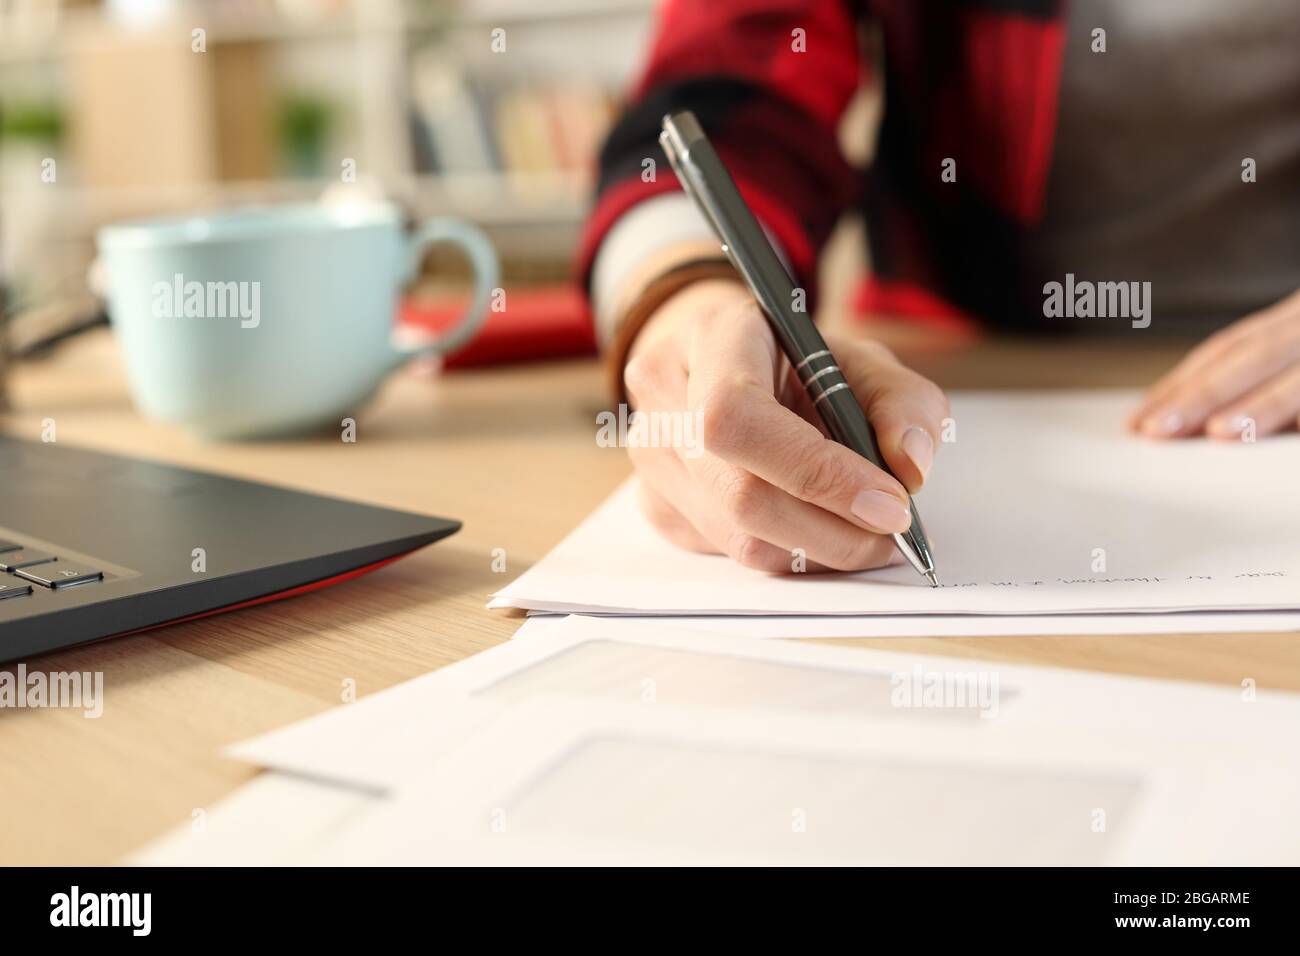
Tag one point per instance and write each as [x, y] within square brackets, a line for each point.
[707, 181]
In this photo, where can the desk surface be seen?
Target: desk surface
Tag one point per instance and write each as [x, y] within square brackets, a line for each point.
[512, 453]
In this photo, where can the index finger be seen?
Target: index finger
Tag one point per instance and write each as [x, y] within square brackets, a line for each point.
[731, 389]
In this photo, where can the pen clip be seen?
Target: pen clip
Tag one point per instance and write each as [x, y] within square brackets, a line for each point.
[678, 153]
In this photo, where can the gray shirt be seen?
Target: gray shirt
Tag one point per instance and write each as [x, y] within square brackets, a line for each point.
[1146, 179]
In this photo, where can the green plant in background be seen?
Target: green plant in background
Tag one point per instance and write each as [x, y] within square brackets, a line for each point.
[305, 121]
[429, 21]
[31, 122]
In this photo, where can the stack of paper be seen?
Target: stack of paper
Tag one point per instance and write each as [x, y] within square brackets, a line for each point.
[661, 732]
[604, 741]
[1042, 506]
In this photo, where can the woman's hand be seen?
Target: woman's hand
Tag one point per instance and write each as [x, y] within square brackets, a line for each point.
[764, 481]
[1242, 381]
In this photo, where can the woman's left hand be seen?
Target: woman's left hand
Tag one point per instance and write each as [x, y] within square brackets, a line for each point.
[1242, 381]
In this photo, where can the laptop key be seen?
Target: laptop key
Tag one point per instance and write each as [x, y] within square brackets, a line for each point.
[7, 545]
[59, 574]
[14, 589]
[13, 560]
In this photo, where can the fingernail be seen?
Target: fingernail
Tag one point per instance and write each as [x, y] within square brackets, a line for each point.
[881, 511]
[1227, 426]
[1170, 423]
[918, 446]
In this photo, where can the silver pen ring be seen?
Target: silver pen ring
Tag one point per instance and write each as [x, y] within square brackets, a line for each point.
[833, 388]
[818, 374]
[807, 359]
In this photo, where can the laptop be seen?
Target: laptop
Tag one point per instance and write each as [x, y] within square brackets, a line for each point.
[95, 545]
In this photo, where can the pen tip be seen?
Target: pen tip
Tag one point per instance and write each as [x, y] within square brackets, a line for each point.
[934, 582]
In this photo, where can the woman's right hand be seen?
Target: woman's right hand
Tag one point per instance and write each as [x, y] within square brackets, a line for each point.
[761, 481]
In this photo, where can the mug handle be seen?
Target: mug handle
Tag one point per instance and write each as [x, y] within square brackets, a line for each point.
[487, 276]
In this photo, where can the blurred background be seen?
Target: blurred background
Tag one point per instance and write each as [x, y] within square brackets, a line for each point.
[491, 110]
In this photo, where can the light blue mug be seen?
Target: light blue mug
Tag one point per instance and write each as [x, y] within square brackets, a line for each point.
[272, 321]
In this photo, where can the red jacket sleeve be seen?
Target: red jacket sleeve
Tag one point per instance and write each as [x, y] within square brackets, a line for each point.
[769, 81]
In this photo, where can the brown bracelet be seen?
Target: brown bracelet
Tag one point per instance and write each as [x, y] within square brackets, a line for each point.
[656, 292]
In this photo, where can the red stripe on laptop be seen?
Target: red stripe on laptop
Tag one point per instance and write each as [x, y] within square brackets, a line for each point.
[267, 598]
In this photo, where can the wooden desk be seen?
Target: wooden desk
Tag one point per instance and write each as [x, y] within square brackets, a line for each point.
[512, 453]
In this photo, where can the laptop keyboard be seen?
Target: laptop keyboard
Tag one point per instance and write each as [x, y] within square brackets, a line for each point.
[25, 567]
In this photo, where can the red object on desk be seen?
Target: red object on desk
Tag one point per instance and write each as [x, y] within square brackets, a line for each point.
[538, 322]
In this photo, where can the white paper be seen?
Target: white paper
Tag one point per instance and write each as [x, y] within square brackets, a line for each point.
[273, 820]
[560, 781]
[387, 739]
[1043, 504]
[965, 625]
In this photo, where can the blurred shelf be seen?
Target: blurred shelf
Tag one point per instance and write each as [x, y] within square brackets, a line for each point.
[489, 199]
[535, 215]
[49, 39]
[534, 11]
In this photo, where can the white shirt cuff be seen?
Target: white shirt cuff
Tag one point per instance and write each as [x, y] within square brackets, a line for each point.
[647, 228]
